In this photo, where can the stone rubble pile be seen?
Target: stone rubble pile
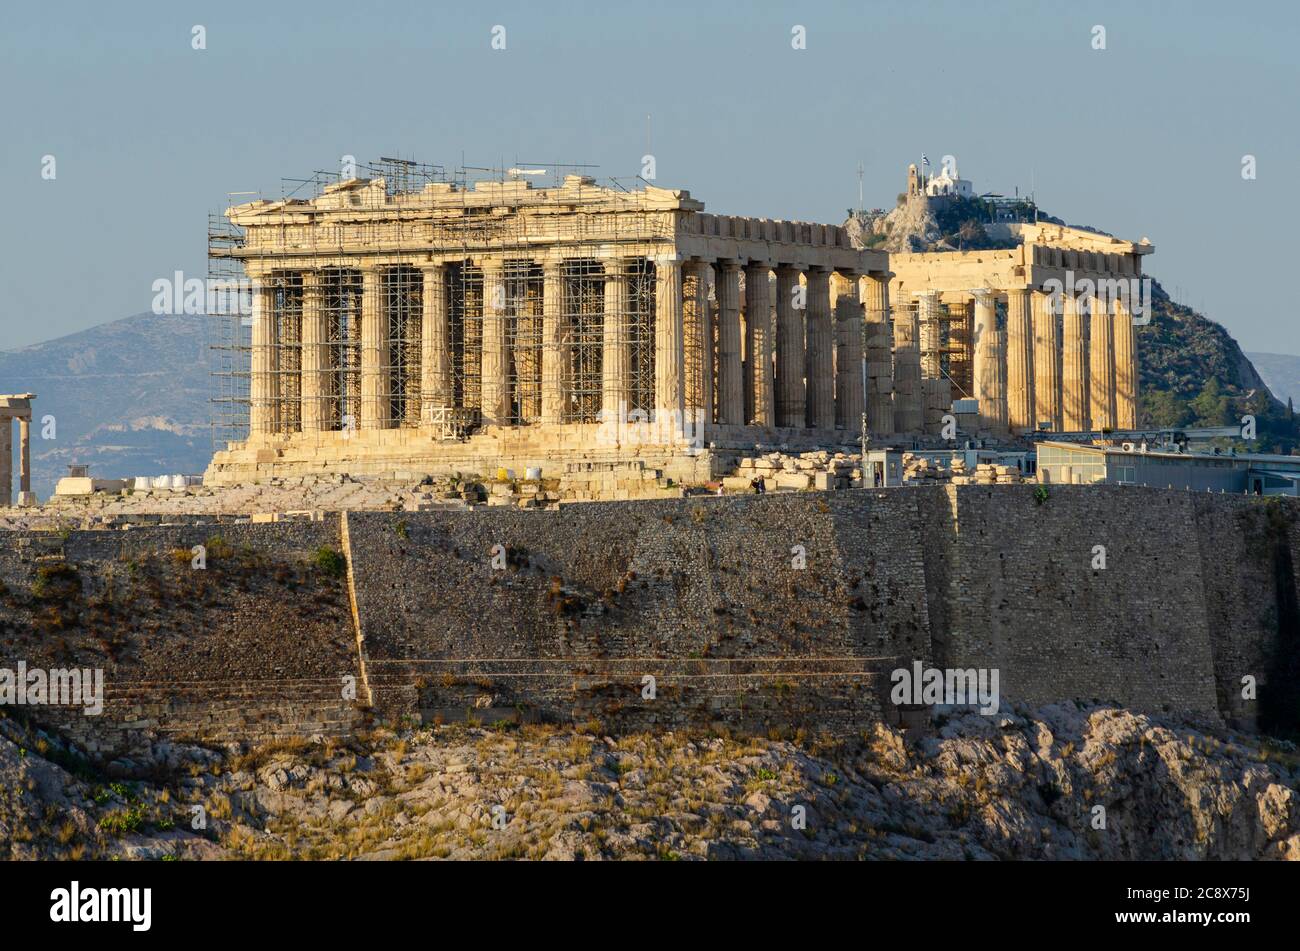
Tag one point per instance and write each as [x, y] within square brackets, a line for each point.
[922, 470]
[300, 496]
[987, 473]
[521, 494]
[819, 470]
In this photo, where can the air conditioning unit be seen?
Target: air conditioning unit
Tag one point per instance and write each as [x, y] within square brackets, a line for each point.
[1128, 447]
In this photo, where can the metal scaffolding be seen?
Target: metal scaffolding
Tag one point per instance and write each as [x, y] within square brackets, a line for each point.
[606, 236]
[228, 320]
[340, 290]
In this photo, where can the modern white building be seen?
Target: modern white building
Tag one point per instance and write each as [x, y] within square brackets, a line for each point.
[1130, 464]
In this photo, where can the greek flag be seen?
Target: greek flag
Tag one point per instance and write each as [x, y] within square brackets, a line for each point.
[924, 159]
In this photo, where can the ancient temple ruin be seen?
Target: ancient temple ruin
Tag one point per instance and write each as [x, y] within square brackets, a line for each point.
[406, 322]
[444, 326]
[1040, 334]
[16, 406]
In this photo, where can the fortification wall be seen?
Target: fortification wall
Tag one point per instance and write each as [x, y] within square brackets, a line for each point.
[757, 611]
[1247, 549]
[254, 646]
[752, 611]
[1026, 593]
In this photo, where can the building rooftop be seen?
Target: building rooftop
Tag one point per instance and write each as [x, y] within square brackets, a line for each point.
[1244, 457]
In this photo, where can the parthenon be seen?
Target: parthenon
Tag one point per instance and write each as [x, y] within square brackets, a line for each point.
[520, 326]
[449, 326]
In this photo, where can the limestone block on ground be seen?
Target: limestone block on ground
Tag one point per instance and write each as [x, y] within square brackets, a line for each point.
[793, 480]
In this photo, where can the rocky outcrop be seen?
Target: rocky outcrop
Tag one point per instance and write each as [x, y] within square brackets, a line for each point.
[911, 226]
[1062, 782]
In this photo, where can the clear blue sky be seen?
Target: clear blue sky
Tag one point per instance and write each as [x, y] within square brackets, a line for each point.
[1145, 138]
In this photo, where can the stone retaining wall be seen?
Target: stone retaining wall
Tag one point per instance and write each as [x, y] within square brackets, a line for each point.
[754, 612]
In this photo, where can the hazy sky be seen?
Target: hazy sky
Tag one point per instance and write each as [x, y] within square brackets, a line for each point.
[1144, 138]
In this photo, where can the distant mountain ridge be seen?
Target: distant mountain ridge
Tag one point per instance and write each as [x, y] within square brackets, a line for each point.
[1281, 373]
[129, 398]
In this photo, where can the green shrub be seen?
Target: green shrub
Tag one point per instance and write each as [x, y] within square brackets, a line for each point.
[57, 582]
[218, 547]
[329, 561]
[122, 822]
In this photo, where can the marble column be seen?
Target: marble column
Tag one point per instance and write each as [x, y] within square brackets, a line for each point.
[790, 368]
[375, 362]
[999, 409]
[731, 381]
[880, 360]
[6, 460]
[314, 354]
[697, 342]
[1047, 361]
[908, 394]
[850, 372]
[1101, 365]
[961, 355]
[25, 460]
[928, 315]
[1020, 361]
[436, 389]
[986, 369]
[1126, 366]
[616, 353]
[555, 352]
[759, 396]
[1074, 365]
[819, 359]
[495, 368]
[669, 384]
[262, 380]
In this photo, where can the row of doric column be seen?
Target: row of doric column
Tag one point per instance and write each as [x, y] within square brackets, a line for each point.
[799, 348]
[791, 359]
[1070, 365]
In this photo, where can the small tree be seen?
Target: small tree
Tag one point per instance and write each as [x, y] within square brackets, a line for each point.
[1211, 406]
